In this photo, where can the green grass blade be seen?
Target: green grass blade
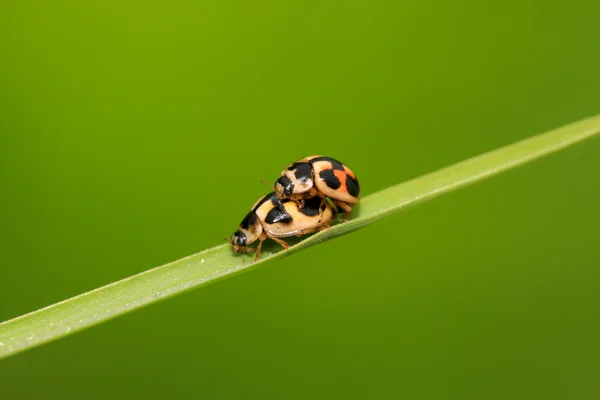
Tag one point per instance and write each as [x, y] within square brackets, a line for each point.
[118, 298]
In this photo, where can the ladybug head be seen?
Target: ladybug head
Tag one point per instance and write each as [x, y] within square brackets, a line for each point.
[238, 240]
[284, 186]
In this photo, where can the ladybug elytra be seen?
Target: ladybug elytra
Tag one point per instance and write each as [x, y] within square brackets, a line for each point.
[319, 176]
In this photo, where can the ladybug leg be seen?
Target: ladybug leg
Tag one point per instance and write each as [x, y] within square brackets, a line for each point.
[312, 192]
[243, 249]
[324, 227]
[262, 238]
[281, 242]
[344, 206]
[321, 208]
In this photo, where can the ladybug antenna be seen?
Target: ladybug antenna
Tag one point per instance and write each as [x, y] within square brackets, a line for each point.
[266, 182]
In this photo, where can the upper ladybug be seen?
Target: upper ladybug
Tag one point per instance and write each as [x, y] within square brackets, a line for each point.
[319, 176]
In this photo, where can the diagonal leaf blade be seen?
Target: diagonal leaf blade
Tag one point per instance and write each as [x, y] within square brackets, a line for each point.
[118, 298]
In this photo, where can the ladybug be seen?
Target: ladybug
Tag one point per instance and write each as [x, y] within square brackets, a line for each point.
[319, 176]
[275, 218]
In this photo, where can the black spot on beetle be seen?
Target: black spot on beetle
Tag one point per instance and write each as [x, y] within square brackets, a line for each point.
[330, 179]
[276, 215]
[263, 200]
[311, 206]
[288, 185]
[303, 172]
[279, 203]
[335, 164]
[249, 220]
[352, 185]
[294, 166]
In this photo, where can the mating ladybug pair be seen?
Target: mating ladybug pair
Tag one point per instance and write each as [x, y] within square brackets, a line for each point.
[298, 205]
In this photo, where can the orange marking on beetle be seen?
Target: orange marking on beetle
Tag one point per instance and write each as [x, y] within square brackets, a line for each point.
[341, 175]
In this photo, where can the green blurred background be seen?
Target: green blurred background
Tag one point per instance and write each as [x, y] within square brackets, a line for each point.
[136, 133]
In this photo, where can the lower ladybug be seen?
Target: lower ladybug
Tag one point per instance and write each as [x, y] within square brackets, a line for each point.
[275, 218]
[319, 176]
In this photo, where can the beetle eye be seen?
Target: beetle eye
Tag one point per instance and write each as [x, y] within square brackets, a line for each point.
[287, 184]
